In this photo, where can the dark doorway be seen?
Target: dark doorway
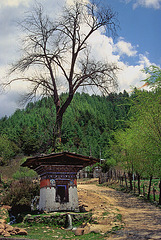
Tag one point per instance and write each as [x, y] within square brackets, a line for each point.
[61, 194]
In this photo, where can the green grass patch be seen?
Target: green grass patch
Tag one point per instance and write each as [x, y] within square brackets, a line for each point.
[105, 213]
[114, 230]
[42, 232]
[119, 217]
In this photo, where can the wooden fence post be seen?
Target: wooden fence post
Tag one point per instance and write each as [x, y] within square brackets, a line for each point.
[100, 178]
[143, 190]
[115, 174]
[148, 197]
[107, 177]
[122, 180]
[126, 181]
[154, 194]
[160, 193]
[138, 184]
[111, 174]
[119, 177]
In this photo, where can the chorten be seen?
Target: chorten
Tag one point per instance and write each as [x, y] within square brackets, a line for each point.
[58, 179]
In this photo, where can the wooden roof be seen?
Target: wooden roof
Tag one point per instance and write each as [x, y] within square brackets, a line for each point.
[62, 158]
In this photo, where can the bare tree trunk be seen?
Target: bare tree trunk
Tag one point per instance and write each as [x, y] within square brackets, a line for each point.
[57, 133]
[130, 178]
[143, 190]
[148, 197]
[160, 193]
[154, 191]
[126, 181]
[134, 187]
[139, 184]
[60, 110]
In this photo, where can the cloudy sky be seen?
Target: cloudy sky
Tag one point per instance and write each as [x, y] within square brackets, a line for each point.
[136, 46]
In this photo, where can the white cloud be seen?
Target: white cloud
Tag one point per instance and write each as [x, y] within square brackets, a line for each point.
[9, 103]
[125, 48]
[156, 4]
[102, 47]
[14, 3]
[71, 2]
[143, 60]
[130, 76]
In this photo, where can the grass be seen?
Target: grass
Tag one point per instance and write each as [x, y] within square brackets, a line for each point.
[48, 233]
[155, 184]
[42, 231]
[105, 213]
[119, 217]
[114, 230]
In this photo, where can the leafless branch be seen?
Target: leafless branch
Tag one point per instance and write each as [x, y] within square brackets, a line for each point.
[54, 49]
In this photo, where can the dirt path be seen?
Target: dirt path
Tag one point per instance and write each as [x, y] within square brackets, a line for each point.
[140, 220]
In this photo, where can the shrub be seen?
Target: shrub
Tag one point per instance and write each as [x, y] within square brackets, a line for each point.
[108, 164]
[24, 173]
[8, 150]
[20, 194]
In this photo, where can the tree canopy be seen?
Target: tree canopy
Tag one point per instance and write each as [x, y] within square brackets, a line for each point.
[87, 127]
[139, 145]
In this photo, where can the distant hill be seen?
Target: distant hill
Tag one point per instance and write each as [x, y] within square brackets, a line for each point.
[87, 124]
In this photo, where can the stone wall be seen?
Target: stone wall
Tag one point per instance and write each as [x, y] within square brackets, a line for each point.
[58, 219]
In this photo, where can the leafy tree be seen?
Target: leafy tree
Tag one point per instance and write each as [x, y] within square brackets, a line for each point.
[139, 144]
[58, 52]
[7, 150]
[154, 79]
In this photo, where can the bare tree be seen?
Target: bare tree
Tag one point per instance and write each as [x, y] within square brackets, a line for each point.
[56, 52]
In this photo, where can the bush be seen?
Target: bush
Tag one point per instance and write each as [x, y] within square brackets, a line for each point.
[8, 150]
[24, 173]
[20, 194]
[108, 164]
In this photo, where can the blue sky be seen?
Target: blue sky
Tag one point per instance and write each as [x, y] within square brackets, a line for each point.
[136, 46]
[140, 26]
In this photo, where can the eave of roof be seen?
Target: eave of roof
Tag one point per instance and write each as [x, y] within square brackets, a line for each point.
[59, 158]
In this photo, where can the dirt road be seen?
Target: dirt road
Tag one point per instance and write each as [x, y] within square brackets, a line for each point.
[134, 218]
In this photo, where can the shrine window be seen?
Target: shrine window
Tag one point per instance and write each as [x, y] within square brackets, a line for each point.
[62, 194]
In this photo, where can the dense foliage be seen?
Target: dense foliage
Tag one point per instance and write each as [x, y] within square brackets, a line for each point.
[138, 147]
[125, 129]
[8, 149]
[87, 125]
[19, 195]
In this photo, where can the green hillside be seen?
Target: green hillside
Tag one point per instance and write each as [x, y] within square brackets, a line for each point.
[87, 125]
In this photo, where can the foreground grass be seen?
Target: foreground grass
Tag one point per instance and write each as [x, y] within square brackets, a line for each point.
[42, 232]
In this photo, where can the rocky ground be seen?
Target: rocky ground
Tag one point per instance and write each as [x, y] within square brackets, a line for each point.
[130, 217]
[7, 230]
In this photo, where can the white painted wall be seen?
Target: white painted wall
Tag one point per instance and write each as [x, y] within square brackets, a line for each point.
[47, 200]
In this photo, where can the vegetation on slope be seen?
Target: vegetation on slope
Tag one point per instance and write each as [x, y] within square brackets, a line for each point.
[87, 126]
